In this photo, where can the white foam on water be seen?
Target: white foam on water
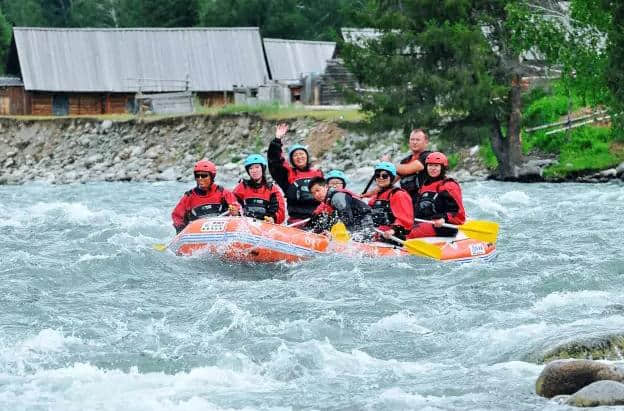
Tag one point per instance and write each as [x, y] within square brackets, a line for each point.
[86, 387]
[89, 257]
[314, 357]
[403, 321]
[486, 205]
[574, 300]
[517, 369]
[35, 350]
[515, 197]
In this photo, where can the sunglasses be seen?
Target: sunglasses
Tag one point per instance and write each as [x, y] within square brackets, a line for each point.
[197, 175]
[383, 176]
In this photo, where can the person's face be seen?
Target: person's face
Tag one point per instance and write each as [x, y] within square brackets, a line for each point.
[418, 141]
[319, 192]
[300, 158]
[434, 170]
[335, 183]
[203, 179]
[255, 172]
[383, 178]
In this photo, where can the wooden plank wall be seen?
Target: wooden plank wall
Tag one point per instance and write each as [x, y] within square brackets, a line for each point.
[215, 98]
[13, 101]
[41, 104]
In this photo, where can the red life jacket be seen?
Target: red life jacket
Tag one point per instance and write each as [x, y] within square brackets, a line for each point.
[392, 207]
[441, 199]
[197, 203]
[260, 201]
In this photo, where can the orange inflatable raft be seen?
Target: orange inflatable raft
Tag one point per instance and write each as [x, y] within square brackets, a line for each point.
[245, 239]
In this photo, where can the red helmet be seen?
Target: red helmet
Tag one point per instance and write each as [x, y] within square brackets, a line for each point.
[437, 158]
[206, 167]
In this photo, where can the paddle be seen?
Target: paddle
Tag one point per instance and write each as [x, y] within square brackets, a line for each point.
[418, 247]
[369, 184]
[298, 223]
[339, 232]
[478, 229]
[163, 247]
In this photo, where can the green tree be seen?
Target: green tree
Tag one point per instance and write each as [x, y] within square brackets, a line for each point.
[5, 40]
[289, 19]
[446, 67]
[25, 13]
[614, 74]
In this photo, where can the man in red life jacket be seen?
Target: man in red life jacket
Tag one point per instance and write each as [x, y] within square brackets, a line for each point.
[293, 176]
[339, 204]
[439, 200]
[206, 199]
[392, 209]
[260, 199]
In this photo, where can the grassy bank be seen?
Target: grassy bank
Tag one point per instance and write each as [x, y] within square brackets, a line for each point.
[579, 151]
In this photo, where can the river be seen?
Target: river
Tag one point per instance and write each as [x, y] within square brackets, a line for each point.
[92, 318]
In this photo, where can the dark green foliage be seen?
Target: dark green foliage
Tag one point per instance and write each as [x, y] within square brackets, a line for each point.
[5, 39]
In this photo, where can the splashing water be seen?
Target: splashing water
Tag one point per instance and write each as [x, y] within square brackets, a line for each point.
[94, 318]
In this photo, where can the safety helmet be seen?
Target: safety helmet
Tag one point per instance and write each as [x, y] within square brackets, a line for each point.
[206, 167]
[385, 165]
[337, 174]
[437, 158]
[296, 147]
[255, 159]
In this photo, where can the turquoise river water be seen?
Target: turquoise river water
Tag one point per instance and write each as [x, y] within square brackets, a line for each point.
[92, 318]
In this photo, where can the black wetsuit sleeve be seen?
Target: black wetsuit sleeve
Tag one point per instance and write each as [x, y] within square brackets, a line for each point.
[445, 203]
[342, 203]
[276, 168]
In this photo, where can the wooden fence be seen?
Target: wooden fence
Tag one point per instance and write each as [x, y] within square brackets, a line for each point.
[570, 123]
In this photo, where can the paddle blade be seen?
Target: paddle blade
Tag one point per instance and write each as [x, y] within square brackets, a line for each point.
[422, 248]
[159, 247]
[481, 230]
[339, 232]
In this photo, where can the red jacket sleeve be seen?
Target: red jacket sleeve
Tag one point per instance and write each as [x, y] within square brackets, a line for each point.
[403, 209]
[280, 216]
[230, 199]
[238, 193]
[454, 191]
[179, 212]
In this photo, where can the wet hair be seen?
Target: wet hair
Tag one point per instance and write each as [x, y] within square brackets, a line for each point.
[317, 181]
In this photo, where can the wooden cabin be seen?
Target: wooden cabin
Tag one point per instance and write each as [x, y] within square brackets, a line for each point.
[92, 71]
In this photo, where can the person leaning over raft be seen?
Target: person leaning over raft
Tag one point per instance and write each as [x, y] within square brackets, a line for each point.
[392, 208]
[439, 200]
[339, 204]
[259, 198]
[293, 176]
[206, 199]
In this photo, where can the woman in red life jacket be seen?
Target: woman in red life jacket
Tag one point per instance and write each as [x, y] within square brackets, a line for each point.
[260, 199]
[206, 199]
[293, 176]
[439, 200]
[392, 209]
[339, 204]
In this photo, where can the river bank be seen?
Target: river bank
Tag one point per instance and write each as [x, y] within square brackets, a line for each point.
[70, 150]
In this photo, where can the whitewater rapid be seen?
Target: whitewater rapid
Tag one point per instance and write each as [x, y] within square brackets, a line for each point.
[92, 317]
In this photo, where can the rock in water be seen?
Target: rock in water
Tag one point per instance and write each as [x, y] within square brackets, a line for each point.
[569, 376]
[597, 394]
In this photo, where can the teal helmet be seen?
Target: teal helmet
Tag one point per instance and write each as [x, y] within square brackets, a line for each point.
[296, 147]
[255, 159]
[337, 174]
[387, 166]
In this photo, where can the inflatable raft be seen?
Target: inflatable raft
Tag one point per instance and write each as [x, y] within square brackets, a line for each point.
[245, 239]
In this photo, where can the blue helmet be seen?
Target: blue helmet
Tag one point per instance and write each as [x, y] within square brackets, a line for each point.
[255, 159]
[385, 165]
[337, 174]
[296, 147]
